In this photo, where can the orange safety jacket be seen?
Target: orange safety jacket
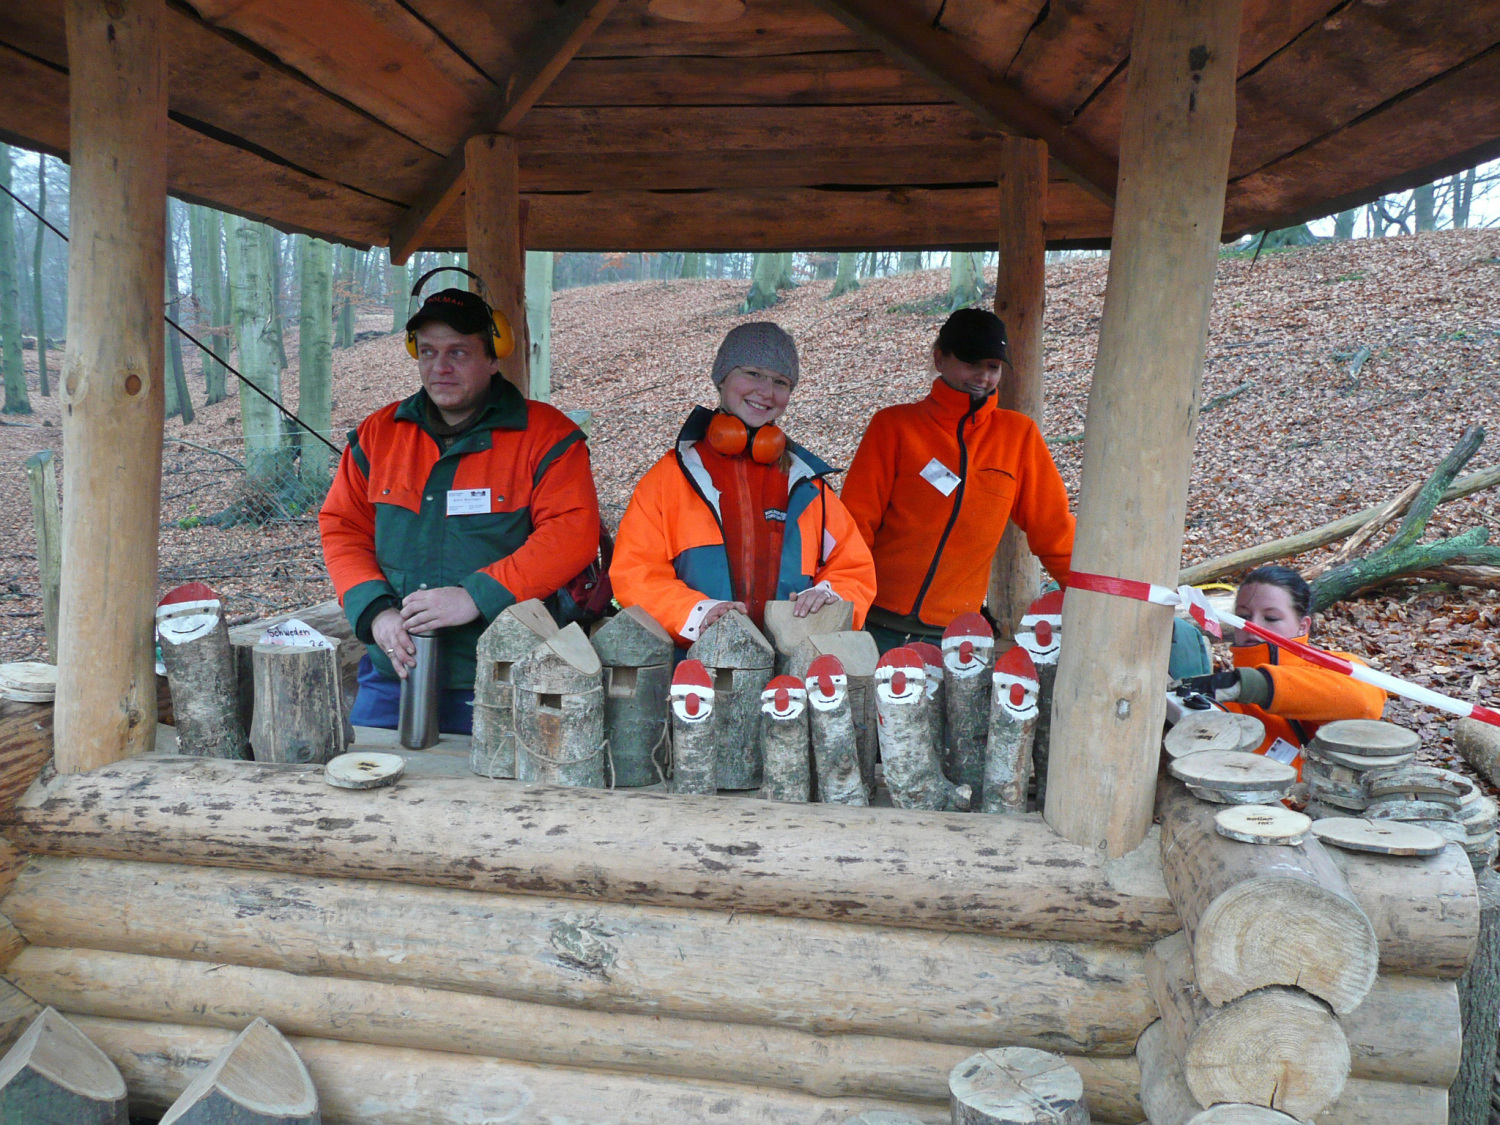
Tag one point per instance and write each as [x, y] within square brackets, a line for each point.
[1303, 696]
[670, 557]
[931, 489]
[387, 528]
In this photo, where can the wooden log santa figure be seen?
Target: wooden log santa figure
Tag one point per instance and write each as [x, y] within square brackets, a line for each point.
[201, 674]
[1013, 716]
[968, 653]
[937, 702]
[692, 729]
[835, 746]
[913, 772]
[1040, 634]
[784, 742]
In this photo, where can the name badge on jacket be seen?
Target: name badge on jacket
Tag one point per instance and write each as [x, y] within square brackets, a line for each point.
[942, 478]
[468, 501]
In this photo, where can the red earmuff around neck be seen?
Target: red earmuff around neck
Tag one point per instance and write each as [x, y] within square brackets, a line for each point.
[729, 436]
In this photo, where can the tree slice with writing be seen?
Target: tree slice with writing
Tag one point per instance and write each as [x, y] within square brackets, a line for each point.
[364, 770]
[1262, 824]
[1202, 731]
[1252, 730]
[1016, 1086]
[1232, 770]
[1384, 837]
[1367, 738]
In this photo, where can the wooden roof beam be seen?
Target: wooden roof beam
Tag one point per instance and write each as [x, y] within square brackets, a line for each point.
[551, 49]
[939, 58]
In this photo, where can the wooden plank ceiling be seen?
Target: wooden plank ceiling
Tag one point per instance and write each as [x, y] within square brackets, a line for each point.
[802, 124]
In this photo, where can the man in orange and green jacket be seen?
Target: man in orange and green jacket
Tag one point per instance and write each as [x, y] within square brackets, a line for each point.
[934, 483]
[449, 506]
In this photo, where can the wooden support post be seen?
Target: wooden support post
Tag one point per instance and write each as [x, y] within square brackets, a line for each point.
[111, 386]
[46, 515]
[1479, 998]
[492, 207]
[1174, 159]
[1020, 289]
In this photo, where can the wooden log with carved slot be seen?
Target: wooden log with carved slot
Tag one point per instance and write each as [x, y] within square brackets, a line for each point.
[1276, 1046]
[693, 744]
[857, 654]
[740, 660]
[913, 762]
[969, 657]
[1086, 998]
[784, 741]
[637, 656]
[299, 705]
[1258, 915]
[200, 669]
[257, 1079]
[1013, 718]
[515, 632]
[54, 1076]
[161, 989]
[834, 744]
[1001, 875]
[1040, 635]
[559, 712]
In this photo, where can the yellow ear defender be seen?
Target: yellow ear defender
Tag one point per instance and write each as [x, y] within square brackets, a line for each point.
[500, 330]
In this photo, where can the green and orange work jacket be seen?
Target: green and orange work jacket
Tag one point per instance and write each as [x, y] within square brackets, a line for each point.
[387, 531]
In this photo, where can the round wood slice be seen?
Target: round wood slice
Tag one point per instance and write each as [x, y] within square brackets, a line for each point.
[1240, 796]
[1450, 830]
[1479, 818]
[1201, 731]
[364, 770]
[1252, 730]
[1416, 780]
[28, 696]
[1233, 770]
[1016, 1086]
[1331, 774]
[1354, 761]
[1228, 1113]
[1468, 791]
[29, 675]
[1367, 738]
[1385, 837]
[1262, 824]
[1401, 808]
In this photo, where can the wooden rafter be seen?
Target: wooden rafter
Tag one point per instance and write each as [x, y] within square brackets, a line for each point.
[549, 51]
[902, 33]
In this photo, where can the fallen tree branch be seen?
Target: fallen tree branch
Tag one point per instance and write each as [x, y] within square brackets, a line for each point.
[1485, 577]
[1366, 533]
[1405, 553]
[1292, 545]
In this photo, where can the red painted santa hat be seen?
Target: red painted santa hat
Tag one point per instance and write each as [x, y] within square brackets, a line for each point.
[194, 597]
[931, 655]
[827, 671]
[782, 690]
[692, 673]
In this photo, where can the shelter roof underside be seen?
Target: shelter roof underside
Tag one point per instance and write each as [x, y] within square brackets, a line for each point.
[791, 127]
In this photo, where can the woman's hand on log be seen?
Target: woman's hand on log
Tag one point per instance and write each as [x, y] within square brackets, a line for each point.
[390, 634]
[811, 600]
[440, 608]
[720, 610]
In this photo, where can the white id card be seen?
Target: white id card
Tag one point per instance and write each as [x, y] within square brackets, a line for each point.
[942, 478]
[468, 501]
[1283, 751]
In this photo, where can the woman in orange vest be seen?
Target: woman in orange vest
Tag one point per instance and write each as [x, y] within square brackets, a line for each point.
[737, 515]
[1292, 697]
[934, 483]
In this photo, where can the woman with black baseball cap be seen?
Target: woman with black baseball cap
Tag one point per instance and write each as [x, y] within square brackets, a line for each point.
[934, 483]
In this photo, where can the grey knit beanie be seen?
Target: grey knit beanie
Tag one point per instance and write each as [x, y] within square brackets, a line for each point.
[757, 344]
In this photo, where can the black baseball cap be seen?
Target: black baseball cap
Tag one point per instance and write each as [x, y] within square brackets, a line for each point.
[974, 335]
[459, 309]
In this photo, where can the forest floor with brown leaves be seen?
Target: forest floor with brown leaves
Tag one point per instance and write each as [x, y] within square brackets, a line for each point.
[1306, 441]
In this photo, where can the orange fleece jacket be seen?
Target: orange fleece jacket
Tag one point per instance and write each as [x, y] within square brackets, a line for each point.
[1303, 696]
[933, 551]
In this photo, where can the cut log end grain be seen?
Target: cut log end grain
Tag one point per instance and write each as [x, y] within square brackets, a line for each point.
[1380, 837]
[364, 770]
[55, 1050]
[257, 1077]
[1262, 824]
[1016, 1086]
[1367, 737]
[1241, 1115]
[1203, 730]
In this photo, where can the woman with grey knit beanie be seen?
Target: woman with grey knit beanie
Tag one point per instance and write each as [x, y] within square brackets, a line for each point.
[737, 515]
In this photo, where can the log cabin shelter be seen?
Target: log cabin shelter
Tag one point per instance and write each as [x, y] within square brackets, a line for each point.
[570, 954]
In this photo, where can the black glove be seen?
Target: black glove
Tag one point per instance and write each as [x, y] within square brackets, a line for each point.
[1221, 687]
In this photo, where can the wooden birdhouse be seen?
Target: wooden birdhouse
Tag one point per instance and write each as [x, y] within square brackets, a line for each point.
[636, 654]
[558, 712]
[514, 633]
[740, 661]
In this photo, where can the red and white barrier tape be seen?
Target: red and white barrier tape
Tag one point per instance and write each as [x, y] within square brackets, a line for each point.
[1212, 621]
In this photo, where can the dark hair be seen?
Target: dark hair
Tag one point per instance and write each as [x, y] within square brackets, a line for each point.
[1284, 578]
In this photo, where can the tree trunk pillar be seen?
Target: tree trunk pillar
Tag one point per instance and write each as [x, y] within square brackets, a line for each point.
[1020, 288]
[112, 383]
[493, 212]
[1143, 407]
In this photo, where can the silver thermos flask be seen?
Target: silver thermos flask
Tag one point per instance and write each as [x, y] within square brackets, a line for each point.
[417, 722]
